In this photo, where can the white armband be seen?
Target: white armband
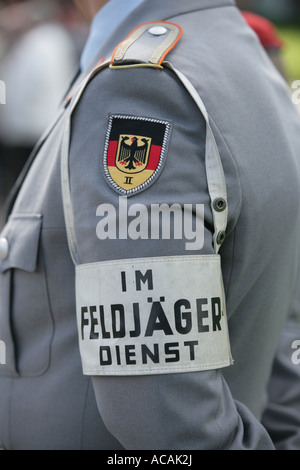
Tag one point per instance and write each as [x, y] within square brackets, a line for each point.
[152, 316]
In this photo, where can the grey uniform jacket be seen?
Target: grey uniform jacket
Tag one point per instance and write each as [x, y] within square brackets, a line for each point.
[46, 402]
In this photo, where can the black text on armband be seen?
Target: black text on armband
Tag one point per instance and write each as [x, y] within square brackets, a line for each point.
[163, 329]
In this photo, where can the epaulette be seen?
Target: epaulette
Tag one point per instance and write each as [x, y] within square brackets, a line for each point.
[147, 45]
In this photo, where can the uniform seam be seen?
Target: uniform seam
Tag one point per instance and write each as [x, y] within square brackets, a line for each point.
[84, 410]
[199, 10]
[231, 266]
[236, 211]
[43, 369]
[43, 264]
[9, 418]
[218, 408]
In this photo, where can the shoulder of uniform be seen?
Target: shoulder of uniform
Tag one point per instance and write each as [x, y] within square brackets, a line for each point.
[147, 45]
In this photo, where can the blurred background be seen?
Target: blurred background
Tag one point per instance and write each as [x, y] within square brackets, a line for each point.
[285, 15]
[40, 46]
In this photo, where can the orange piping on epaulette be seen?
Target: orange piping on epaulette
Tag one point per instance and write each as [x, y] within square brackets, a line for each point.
[174, 43]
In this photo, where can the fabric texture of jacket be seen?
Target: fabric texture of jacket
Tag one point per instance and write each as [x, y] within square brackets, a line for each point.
[46, 402]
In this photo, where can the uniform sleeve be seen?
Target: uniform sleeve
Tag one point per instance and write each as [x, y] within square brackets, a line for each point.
[183, 409]
[282, 415]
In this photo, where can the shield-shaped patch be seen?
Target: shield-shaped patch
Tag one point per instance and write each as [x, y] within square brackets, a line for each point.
[134, 153]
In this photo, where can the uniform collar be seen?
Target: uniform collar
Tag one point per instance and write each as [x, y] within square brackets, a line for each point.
[104, 24]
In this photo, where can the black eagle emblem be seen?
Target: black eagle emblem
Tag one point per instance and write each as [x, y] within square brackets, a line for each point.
[133, 155]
